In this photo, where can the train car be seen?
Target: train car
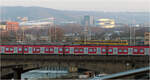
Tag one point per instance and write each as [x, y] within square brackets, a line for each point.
[64, 50]
[48, 49]
[75, 49]
[138, 50]
[101, 42]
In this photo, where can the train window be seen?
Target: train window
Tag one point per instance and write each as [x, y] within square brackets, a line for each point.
[67, 49]
[46, 49]
[141, 50]
[135, 50]
[125, 50]
[37, 49]
[7, 49]
[20, 49]
[60, 49]
[110, 50]
[81, 50]
[94, 50]
[90, 50]
[103, 50]
[51, 49]
[11, 49]
[25, 49]
[120, 50]
[76, 49]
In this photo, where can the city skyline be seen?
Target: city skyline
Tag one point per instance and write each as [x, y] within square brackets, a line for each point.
[84, 5]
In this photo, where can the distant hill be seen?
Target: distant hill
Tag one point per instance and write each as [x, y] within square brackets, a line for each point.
[34, 13]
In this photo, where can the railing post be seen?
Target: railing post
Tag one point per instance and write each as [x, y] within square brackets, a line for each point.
[17, 72]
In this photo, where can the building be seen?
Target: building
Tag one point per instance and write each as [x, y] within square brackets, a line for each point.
[147, 38]
[88, 20]
[2, 25]
[105, 23]
[12, 26]
[9, 26]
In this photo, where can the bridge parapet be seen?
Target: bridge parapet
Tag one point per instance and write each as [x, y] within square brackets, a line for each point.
[104, 63]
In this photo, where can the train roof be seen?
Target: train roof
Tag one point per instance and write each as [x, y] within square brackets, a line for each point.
[68, 44]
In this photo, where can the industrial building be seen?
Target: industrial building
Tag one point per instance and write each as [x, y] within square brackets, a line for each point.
[105, 23]
[147, 38]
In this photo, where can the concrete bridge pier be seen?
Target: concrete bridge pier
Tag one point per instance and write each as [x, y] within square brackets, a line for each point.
[17, 73]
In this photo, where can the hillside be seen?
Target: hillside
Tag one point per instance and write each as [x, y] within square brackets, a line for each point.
[39, 12]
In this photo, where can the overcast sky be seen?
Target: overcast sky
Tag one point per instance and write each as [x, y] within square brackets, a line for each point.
[87, 5]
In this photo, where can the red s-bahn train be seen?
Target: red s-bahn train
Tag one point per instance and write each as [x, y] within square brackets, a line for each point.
[74, 49]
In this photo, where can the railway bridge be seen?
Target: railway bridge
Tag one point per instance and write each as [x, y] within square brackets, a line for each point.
[12, 65]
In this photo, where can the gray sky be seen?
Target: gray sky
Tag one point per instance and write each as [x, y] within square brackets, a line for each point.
[87, 5]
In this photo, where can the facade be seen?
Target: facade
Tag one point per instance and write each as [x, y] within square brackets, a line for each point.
[2, 25]
[105, 23]
[147, 38]
[12, 26]
[88, 20]
[9, 26]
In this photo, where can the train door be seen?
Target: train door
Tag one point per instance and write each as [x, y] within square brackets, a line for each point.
[130, 51]
[0, 49]
[115, 51]
[98, 51]
[55, 50]
[71, 50]
[147, 51]
[42, 50]
[85, 50]
[103, 50]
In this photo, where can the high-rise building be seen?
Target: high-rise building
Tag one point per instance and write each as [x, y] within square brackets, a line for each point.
[88, 20]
